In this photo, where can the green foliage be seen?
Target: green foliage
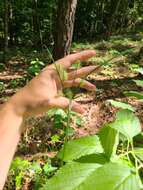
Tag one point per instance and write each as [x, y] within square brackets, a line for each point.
[139, 70]
[55, 138]
[15, 83]
[91, 176]
[106, 17]
[94, 161]
[109, 138]
[79, 122]
[134, 94]
[35, 67]
[38, 173]
[121, 105]
[2, 86]
[139, 82]
[63, 75]
[139, 153]
[64, 178]
[18, 169]
[127, 124]
[76, 65]
[60, 118]
[86, 146]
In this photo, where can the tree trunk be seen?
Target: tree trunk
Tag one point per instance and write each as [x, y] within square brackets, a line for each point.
[11, 29]
[64, 27]
[6, 20]
[36, 24]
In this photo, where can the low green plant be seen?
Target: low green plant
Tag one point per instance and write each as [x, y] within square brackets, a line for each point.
[2, 86]
[37, 173]
[60, 118]
[35, 67]
[121, 105]
[15, 83]
[135, 94]
[106, 158]
[18, 169]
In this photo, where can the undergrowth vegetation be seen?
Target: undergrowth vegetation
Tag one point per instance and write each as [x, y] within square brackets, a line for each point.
[110, 157]
[101, 149]
[113, 158]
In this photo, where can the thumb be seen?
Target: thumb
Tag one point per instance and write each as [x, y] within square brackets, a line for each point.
[62, 102]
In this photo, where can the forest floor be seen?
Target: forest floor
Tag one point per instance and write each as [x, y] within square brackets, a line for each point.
[120, 60]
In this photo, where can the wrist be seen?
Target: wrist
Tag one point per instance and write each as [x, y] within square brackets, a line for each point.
[10, 119]
[14, 106]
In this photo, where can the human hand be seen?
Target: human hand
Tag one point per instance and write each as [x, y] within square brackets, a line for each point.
[42, 92]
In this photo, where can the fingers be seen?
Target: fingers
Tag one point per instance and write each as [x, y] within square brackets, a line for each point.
[81, 56]
[80, 83]
[62, 102]
[81, 72]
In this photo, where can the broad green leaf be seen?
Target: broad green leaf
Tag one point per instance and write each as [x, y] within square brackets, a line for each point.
[93, 158]
[134, 94]
[139, 82]
[109, 138]
[70, 176]
[87, 176]
[121, 105]
[127, 123]
[80, 147]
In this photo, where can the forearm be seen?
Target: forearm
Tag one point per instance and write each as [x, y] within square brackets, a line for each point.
[10, 123]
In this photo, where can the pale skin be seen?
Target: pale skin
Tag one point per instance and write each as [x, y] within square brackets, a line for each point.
[39, 95]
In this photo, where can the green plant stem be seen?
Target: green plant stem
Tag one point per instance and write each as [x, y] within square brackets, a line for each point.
[128, 146]
[134, 156]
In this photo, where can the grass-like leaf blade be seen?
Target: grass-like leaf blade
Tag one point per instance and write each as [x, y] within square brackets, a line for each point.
[135, 94]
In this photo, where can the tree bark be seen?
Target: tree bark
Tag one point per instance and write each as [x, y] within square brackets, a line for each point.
[36, 24]
[64, 27]
[6, 20]
[10, 27]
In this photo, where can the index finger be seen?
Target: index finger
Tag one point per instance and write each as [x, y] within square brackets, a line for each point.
[81, 56]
